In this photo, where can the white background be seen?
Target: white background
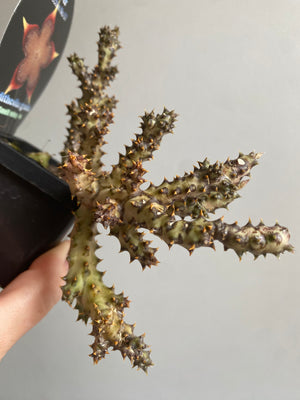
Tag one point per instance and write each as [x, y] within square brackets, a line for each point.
[219, 329]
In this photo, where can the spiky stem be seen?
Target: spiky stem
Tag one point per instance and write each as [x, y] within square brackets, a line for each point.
[177, 211]
[96, 301]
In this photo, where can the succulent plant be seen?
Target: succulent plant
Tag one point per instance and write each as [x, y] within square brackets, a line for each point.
[177, 211]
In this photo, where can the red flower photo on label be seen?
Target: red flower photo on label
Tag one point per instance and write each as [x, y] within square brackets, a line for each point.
[39, 52]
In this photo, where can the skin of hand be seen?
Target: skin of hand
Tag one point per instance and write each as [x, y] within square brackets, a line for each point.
[29, 297]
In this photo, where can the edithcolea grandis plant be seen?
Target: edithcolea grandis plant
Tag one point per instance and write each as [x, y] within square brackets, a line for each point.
[177, 211]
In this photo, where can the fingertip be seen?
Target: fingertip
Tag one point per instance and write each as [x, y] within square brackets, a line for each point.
[63, 247]
[50, 267]
[65, 269]
[59, 252]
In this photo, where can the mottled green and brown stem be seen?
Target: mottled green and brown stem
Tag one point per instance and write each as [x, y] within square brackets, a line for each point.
[177, 211]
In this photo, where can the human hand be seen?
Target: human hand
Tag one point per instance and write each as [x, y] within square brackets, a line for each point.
[29, 297]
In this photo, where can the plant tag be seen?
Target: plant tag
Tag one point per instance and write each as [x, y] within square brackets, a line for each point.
[29, 53]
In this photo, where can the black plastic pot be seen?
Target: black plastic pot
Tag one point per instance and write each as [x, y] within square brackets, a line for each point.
[35, 213]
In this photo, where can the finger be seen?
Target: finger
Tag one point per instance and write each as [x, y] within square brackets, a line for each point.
[27, 299]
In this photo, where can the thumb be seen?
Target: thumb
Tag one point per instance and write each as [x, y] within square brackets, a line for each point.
[29, 297]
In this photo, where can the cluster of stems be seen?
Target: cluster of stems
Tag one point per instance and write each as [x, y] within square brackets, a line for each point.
[177, 211]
